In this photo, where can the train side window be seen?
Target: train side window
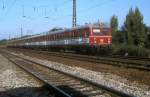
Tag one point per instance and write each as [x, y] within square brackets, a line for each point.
[49, 37]
[75, 34]
[85, 34]
[67, 35]
[59, 36]
[43, 39]
[81, 33]
[54, 36]
[62, 36]
[72, 34]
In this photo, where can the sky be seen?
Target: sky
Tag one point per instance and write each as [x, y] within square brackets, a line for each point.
[38, 16]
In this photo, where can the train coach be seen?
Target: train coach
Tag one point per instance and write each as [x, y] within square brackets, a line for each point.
[79, 39]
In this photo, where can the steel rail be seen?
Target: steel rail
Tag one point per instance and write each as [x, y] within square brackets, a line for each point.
[135, 64]
[58, 92]
[119, 93]
[128, 62]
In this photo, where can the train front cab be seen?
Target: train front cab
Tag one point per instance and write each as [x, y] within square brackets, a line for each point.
[100, 40]
[100, 36]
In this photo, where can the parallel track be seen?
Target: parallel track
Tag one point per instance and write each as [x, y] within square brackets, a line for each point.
[135, 63]
[64, 85]
[130, 58]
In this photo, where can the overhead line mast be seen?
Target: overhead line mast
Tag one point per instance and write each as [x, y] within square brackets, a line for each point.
[74, 18]
[21, 32]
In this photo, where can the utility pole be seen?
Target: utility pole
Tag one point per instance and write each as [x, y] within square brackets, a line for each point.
[74, 19]
[21, 31]
[9, 36]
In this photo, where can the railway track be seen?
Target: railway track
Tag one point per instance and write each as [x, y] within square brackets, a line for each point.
[130, 58]
[127, 62]
[62, 84]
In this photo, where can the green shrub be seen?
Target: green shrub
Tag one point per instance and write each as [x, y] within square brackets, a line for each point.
[131, 50]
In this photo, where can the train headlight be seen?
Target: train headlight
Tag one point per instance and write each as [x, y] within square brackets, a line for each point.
[109, 40]
[101, 40]
[94, 40]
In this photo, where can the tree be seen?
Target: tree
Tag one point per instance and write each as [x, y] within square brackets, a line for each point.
[148, 37]
[114, 26]
[135, 29]
[128, 27]
[120, 36]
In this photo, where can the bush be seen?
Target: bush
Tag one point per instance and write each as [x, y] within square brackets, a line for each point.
[131, 50]
[3, 42]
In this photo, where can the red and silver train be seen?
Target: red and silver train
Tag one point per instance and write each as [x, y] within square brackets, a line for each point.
[76, 39]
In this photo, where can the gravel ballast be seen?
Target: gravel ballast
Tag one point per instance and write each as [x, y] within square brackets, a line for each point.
[107, 79]
[14, 82]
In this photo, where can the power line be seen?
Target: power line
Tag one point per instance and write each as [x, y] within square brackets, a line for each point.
[23, 14]
[3, 6]
[8, 9]
[47, 5]
[95, 6]
[69, 15]
[21, 31]
[45, 11]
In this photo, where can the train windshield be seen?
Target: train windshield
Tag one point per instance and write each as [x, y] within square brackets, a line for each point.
[103, 31]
